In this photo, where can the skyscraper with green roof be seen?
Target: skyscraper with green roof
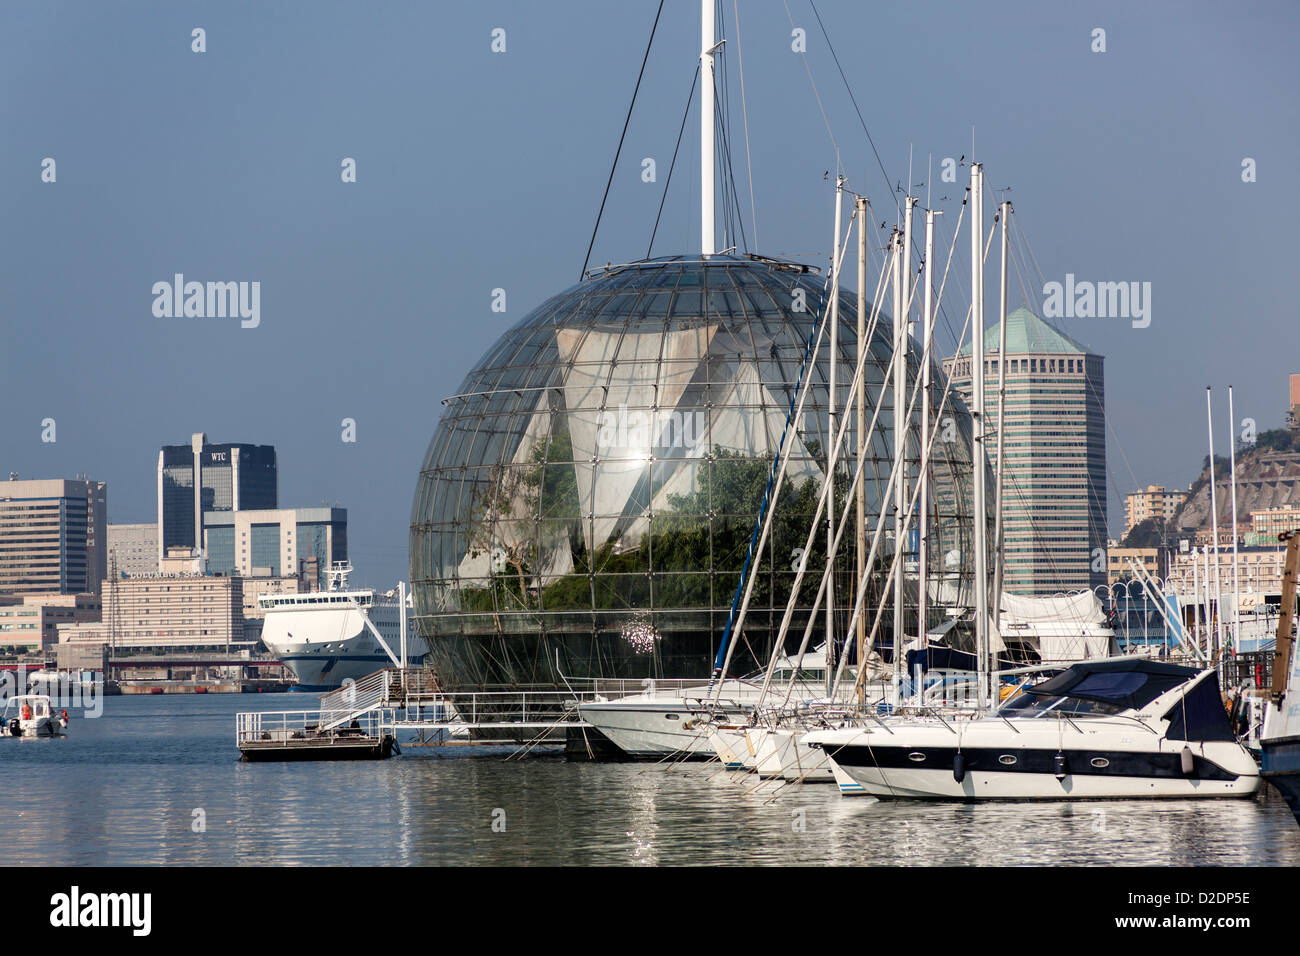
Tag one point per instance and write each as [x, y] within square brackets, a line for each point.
[1054, 491]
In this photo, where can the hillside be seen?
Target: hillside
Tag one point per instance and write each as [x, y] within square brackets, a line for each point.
[1266, 478]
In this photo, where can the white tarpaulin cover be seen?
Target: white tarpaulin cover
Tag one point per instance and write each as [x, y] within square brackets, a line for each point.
[1081, 608]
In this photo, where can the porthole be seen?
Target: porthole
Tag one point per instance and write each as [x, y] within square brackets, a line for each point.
[672, 716]
[916, 756]
[1007, 759]
[1101, 763]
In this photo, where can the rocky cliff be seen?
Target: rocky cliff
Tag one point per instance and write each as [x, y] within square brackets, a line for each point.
[1266, 478]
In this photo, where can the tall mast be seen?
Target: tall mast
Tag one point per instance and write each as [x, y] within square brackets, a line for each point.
[923, 440]
[1214, 533]
[706, 128]
[901, 337]
[898, 397]
[1000, 564]
[977, 412]
[1209, 628]
[830, 439]
[1236, 578]
[1196, 599]
[861, 430]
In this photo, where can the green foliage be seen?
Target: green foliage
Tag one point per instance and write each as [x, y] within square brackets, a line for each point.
[1150, 533]
[1276, 439]
[695, 548]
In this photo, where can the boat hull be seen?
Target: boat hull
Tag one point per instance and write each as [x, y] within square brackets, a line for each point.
[894, 772]
[316, 671]
[731, 747]
[783, 753]
[325, 645]
[1281, 768]
[40, 727]
[651, 729]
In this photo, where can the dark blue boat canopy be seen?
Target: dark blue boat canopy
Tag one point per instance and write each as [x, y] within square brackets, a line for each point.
[1118, 683]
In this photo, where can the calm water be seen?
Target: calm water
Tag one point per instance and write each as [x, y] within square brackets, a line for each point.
[122, 789]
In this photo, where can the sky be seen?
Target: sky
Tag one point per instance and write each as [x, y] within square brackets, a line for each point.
[479, 170]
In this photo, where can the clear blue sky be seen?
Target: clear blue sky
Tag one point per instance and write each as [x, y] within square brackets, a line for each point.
[479, 170]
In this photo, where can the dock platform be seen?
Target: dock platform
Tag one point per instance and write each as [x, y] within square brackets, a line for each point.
[362, 720]
[299, 735]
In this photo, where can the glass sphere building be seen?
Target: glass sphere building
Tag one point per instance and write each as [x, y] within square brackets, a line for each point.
[586, 503]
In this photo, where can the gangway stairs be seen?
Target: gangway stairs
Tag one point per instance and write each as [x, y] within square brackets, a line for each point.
[355, 698]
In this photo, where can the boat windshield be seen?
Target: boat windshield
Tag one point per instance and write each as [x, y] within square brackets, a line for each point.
[1031, 705]
[1100, 688]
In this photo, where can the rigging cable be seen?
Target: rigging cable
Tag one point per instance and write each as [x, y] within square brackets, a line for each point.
[744, 112]
[621, 137]
[943, 312]
[1100, 400]
[667, 182]
[853, 100]
[731, 207]
[805, 367]
[816, 94]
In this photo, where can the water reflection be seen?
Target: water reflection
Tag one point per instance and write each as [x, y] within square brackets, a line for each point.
[124, 790]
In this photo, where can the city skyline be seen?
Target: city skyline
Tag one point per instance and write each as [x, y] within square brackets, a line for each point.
[376, 296]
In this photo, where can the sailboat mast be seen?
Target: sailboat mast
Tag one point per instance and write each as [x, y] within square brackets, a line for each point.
[898, 397]
[999, 565]
[901, 338]
[977, 413]
[707, 45]
[830, 438]
[861, 430]
[1209, 624]
[1196, 599]
[1236, 578]
[1214, 533]
[923, 473]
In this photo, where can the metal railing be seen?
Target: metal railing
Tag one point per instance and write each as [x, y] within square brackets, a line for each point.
[281, 726]
[611, 687]
[492, 709]
[1252, 669]
[356, 697]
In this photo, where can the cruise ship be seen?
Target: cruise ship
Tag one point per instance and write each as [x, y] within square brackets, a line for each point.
[327, 637]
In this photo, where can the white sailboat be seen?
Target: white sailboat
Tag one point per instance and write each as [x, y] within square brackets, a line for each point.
[677, 717]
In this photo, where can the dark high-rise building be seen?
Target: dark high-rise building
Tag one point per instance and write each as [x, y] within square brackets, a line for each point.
[202, 477]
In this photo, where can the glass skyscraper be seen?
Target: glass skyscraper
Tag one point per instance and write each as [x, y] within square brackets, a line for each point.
[202, 477]
[278, 543]
[587, 501]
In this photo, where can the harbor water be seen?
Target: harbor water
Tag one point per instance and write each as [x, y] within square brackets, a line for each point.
[157, 780]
